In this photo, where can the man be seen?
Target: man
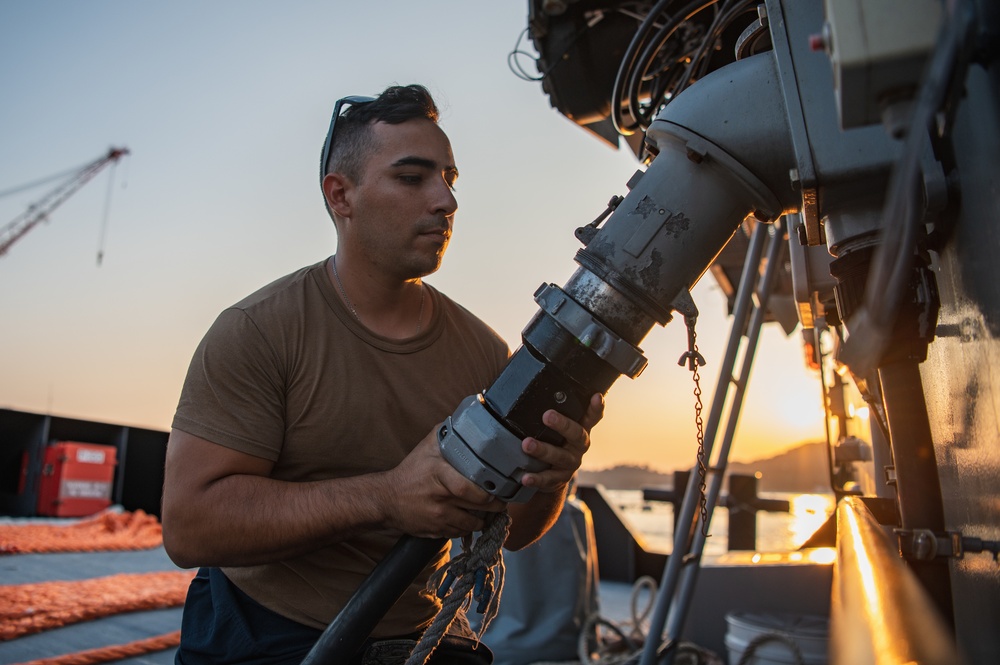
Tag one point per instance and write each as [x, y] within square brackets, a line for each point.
[304, 440]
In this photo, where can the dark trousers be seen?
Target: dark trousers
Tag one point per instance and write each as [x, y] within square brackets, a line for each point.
[222, 625]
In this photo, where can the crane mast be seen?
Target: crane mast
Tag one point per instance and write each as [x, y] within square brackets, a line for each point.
[40, 210]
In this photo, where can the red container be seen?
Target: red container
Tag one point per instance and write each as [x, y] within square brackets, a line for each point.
[76, 479]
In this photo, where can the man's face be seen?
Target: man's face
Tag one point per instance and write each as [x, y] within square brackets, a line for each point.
[404, 206]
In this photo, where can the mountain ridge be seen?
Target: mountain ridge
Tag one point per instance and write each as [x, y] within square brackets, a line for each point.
[803, 468]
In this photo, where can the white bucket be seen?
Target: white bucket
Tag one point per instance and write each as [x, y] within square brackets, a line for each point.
[809, 633]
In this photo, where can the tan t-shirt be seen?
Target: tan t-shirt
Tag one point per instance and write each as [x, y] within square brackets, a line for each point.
[288, 374]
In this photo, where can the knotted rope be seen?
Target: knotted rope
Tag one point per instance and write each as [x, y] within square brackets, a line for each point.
[477, 572]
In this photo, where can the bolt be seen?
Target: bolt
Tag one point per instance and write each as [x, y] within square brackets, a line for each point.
[924, 546]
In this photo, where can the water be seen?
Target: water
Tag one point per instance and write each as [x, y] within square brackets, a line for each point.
[776, 532]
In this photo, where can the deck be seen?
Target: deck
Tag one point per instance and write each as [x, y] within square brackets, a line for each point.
[118, 629]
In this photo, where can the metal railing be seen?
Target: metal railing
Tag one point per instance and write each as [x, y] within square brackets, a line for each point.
[880, 614]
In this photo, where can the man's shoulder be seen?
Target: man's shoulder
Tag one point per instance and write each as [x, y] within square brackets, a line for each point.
[461, 316]
[281, 290]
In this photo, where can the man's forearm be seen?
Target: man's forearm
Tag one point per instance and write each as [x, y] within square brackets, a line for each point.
[243, 520]
[530, 521]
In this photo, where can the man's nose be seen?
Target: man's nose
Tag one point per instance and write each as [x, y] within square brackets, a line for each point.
[444, 199]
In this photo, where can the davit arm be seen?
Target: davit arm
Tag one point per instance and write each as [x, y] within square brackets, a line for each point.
[634, 272]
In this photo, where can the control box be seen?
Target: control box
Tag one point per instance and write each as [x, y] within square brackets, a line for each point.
[76, 479]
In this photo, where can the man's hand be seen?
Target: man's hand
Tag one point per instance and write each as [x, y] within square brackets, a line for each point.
[563, 460]
[534, 518]
[425, 496]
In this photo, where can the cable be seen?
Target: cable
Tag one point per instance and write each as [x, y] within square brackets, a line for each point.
[676, 77]
[894, 256]
[43, 181]
[515, 66]
[626, 66]
[653, 68]
[107, 213]
[630, 634]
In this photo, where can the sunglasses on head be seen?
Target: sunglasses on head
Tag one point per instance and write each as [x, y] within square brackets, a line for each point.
[328, 144]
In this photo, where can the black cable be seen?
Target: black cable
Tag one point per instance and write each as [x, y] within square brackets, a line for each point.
[639, 74]
[649, 55]
[894, 256]
[515, 66]
[625, 69]
[519, 71]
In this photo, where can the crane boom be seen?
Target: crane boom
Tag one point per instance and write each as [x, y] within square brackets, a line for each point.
[40, 210]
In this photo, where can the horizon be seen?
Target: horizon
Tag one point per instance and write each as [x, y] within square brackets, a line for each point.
[756, 460]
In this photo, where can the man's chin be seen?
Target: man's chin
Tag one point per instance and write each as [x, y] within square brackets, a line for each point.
[427, 266]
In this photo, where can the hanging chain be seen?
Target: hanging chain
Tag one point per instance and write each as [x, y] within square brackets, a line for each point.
[695, 360]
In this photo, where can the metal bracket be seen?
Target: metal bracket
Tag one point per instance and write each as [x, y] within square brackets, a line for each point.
[926, 545]
[890, 475]
[586, 233]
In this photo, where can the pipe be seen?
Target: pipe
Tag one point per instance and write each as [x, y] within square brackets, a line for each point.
[381, 589]
[918, 488]
[880, 614]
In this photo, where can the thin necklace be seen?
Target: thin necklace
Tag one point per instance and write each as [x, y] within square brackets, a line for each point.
[350, 305]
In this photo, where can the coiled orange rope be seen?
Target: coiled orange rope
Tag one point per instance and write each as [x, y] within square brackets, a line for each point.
[105, 532]
[31, 608]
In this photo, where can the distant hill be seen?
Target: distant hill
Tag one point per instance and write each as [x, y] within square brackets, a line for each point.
[803, 468]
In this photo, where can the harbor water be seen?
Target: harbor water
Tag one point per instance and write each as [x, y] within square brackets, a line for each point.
[776, 532]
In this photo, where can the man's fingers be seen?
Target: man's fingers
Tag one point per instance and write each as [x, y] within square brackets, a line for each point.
[595, 411]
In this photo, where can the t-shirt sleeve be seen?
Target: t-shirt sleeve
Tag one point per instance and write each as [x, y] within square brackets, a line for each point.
[233, 394]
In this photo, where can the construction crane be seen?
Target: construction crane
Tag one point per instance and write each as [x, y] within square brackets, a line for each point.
[40, 210]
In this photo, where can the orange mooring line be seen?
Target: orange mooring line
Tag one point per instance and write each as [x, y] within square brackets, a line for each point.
[32, 608]
[102, 533]
[118, 652]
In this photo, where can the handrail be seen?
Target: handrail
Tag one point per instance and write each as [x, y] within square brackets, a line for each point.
[879, 612]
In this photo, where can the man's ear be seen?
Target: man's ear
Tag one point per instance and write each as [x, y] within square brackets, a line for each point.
[336, 188]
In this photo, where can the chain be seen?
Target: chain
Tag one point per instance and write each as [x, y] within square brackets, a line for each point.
[350, 305]
[695, 360]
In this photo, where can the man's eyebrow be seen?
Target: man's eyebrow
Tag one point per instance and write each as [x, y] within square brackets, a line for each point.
[416, 161]
[424, 163]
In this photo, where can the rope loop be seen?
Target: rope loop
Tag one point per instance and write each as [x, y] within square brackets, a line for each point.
[477, 572]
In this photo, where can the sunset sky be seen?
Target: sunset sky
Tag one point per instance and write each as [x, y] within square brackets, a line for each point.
[224, 105]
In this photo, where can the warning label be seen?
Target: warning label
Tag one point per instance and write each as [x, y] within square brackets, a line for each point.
[84, 489]
[89, 456]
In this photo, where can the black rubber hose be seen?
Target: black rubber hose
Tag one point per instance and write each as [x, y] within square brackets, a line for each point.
[376, 596]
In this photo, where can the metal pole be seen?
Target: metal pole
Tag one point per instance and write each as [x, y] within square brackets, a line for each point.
[678, 613]
[686, 523]
[918, 487]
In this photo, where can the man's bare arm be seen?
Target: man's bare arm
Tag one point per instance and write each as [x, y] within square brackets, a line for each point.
[221, 508]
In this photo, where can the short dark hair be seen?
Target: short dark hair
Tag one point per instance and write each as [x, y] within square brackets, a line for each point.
[354, 140]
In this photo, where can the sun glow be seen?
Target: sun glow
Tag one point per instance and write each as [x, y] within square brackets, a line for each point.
[809, 512]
